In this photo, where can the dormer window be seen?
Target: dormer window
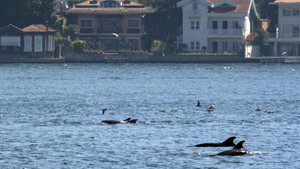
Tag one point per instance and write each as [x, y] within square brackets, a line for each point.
[195, 6]
[110, 4]
[126, 2]
[93, 2]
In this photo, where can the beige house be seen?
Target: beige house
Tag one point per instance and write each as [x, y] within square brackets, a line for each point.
[110, 23]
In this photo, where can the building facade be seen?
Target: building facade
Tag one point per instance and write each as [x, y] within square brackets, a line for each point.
[110, 24]
[34, 41]
[216, 26]
[286, 42]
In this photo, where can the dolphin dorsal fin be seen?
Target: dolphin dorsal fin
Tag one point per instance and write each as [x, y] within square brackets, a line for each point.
[230, 140]
[128, 119]
[239, 145]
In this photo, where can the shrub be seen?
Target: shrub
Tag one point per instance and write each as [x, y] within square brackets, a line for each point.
[78, 46]
[158, 47]
[65, 44]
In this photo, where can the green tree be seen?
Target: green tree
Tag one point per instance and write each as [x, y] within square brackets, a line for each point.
[60, 24]
[164, 23]
[25, 12]
[269, 12]
[70, 30]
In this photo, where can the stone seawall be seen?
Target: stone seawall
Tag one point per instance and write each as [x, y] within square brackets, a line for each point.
[198, 59]
[85, 58]
[147, 58]
[20, 59]
[130, 58]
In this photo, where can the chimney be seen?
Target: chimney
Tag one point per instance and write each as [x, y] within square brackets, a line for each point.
[46, 25]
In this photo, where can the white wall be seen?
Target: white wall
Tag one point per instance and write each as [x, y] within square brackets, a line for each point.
[205, 18]
[195, 34]
[287, 20]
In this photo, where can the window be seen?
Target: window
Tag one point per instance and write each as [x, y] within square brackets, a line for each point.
[109, 4]
[133, 23]
[225, 25]
[225, 46]
[195, 6]
[197, 25]
[215, 24]
[192, 25]
[235, 46]
[27, 43]
[192, 45]
[110, 26]
[10, 41]
[295, 11]
[50, 42]
[197, 45]
[38, 43]
[86, 23]
[286, 12]
[295, 31]
[235, 25]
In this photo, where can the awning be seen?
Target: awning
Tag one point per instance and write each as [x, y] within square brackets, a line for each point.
[10, 41]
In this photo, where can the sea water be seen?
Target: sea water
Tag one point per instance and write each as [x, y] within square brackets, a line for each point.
[50, 115]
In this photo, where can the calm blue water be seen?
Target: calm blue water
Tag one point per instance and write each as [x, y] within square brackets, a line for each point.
[50, 115]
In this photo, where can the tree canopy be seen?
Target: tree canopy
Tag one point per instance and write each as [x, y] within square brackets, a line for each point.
[165, 22]
[22, 13]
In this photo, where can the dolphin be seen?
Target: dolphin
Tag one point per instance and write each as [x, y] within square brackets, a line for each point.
[128, 120]
[236, 151]
[227, 143]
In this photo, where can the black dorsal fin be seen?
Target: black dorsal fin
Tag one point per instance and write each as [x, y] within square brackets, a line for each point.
[229, 140]
[239, 145]
[128, 119]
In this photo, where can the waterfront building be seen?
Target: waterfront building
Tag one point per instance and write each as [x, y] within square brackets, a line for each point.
[286, 41]
[34, 41]
[216, 26]
[110, 23]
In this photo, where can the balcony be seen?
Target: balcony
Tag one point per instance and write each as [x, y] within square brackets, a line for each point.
[110, 30]
[225, 32]
[86, 30]
[285, 36]
[133, 30]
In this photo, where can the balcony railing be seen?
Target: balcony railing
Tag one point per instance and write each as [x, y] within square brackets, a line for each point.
[110, 30]
[285, 35]
[225, 32]
[86, 30]
[133, 30]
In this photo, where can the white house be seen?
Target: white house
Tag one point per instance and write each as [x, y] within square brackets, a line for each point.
[218, 26]
[287, 38]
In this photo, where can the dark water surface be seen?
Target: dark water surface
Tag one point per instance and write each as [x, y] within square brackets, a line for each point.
[50, 115]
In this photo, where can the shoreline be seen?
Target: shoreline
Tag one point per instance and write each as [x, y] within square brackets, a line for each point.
[146, 58]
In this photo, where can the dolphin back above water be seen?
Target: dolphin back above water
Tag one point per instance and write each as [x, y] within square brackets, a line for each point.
[236, 151]
[227, 143]
[128, 120]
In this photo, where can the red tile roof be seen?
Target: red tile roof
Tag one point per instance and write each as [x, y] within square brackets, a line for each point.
[38, 28]
[111, 10]
[127, 8]
[88, 4]
[134, 4]
[287, 1]
[242, 6]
